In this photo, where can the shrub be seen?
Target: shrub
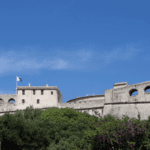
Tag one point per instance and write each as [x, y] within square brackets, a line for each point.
[66, 129]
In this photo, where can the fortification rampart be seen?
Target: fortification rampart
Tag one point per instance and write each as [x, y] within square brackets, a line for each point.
[118, 101]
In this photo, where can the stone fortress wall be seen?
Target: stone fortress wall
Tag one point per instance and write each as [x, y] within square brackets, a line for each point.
[118, 101]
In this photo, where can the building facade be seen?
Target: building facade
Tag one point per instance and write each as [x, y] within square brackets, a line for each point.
[118, 101]
[38, 97]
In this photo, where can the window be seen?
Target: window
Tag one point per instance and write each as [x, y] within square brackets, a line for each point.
[41, 92]
[23, 92]
[38, 101]
[23, 101]
[11, 101]
[52, 93]
[147, 89]
[33, 92]
[133, 92]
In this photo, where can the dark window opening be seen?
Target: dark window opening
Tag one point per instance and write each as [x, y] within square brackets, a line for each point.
[38, 101]
[23, 92]
[133, 92]
[52, 93]
[147, 89]
[33, 92]
[41, 92]
[11, 101]
[23, 101]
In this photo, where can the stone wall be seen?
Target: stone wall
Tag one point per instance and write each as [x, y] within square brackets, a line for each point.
[118, 101]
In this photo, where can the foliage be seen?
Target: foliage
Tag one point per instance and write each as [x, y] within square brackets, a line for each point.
[66, 129]
[22, 119]
[25, 133]
[66, 115]
[118, 134]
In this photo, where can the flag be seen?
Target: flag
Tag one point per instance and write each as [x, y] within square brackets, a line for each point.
[19, 79]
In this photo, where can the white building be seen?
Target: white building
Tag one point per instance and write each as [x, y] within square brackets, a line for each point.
[39, 97]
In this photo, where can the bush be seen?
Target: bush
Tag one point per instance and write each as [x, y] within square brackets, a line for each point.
[24, 133]
[66, 129]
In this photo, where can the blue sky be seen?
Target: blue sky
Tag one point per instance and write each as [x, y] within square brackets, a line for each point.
[81, 46]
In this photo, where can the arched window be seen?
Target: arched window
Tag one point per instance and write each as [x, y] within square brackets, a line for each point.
[133, 92]
[11, 101]
[147, 89]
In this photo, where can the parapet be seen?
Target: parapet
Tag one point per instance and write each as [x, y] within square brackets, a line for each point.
[120, 85]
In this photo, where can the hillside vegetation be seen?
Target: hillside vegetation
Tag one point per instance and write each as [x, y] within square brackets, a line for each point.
[66, 129]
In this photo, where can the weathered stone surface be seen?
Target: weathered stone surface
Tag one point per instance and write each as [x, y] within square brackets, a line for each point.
[117, 102]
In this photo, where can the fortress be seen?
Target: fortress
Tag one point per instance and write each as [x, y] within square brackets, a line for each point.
[118, 101]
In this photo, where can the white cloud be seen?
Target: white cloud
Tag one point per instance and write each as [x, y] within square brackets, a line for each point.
[34, 59]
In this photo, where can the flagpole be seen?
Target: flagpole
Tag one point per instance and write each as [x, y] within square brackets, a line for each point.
[16, 84]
